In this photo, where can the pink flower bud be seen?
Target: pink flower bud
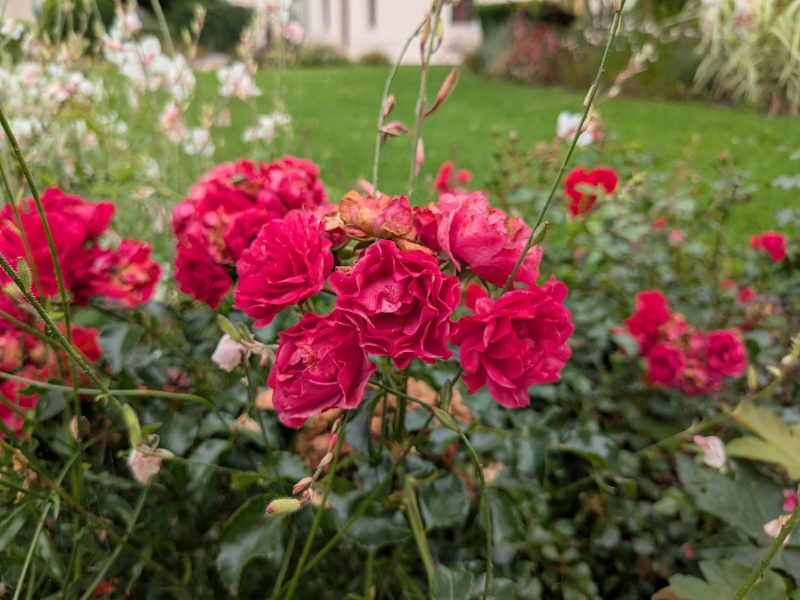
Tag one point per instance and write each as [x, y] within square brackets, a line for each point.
[420, 156]
[332, 441]
[789, 500]
[302, 484]
[325, 460]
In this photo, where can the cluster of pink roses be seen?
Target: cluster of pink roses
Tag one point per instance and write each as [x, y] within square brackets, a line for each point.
[771, 242]
[226, 209]
[679, 356]
[396, 299]
[126, 276]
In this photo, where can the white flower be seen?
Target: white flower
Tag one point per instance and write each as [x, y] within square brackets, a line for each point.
[12, 29]
[236, 80]
[132, 21]
[773, 528]
[171, 122]
[265, 127]
[713, 451]
[294, 33]
[229, 353]
[143, 466]
[199, 142]
[568, 124]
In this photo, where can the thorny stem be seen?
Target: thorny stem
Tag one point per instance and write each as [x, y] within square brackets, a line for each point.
[318, 518]
[115, 553]
[421, 100]
[559, 176]
[381, 117]
[756, 573]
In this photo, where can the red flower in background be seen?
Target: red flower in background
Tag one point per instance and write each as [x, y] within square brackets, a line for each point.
[444, 182]
[478, 237]
[286, 263]
[650, 316]
[319, 365]
[21, 401]
[581, 202]
[514, 342]
[665, 363]
[725, 352]
[225, 210]
[399, 302]
[771, 242]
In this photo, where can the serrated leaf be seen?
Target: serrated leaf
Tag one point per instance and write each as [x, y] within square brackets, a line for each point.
[248, 535]
[723, 578]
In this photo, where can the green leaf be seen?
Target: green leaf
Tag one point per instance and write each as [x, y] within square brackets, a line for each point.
[451, 585]
[596, 448]
[723, 580]
[248, 535]
[746, 502]
[118, 341]
[375, 532]
[443, 501]
[204, 459]
[777, 444]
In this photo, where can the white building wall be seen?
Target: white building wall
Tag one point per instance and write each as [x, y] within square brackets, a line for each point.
[394, 23]
[19, 9]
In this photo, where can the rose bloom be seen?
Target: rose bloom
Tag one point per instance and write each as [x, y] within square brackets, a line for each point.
[226, 209]
[745, 295]
[476, 236]
[647, 320]
[400, 303]
[128, 274]
[73, 222]
[725, 352]
[665, 363]
[286, 263]
[22, 401]
[443, 183]
[387, 217]
[697, 377]
[514, 342]
[581, 202]
[771, 242]
[319, 365]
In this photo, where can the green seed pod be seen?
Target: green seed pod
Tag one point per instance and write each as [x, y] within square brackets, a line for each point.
[283, 506]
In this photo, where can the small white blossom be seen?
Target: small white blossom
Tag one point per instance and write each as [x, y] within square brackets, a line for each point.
[12, 29]
[568, 124]
[265, 127]
[229, 353]
[294, 33]
[236, 80]
[199, 142]
[713, 451]
[774, 527]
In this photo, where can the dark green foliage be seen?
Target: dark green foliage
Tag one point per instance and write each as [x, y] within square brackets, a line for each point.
[223, 25]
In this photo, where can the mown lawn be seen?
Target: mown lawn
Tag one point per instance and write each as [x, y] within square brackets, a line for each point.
[334, 110]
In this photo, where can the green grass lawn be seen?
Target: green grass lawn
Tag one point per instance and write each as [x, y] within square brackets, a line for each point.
[334, 111]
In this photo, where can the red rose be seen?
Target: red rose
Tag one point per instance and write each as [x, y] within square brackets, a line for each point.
[647, 320]
[200, 276]
[771, 242]
[73, 222]
[725, 352]
[400, 303]
[745, 295]
[514, 342]
[665, 363]
[581, 202]
[486, 240]
[22, 401]
[426, 222]
[229, 205]
[474, 293]
[442, 182]
[294, 183]
[286, 263]
[319, 365]
[128, 274]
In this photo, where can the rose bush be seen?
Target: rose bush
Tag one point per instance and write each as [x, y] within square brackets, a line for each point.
[587, 430]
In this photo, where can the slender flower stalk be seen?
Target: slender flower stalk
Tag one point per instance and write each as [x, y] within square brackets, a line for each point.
[618, 6]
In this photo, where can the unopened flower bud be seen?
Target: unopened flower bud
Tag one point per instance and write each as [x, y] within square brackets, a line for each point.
[388, 105]
[538, 235]
[24, 274]
[752, 380]
[588, 97]
[307, 496]
[302, 484]
[788, 360]
[332, 441]
[283, 506]
[325, 460]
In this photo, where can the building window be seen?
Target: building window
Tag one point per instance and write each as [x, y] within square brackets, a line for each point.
[326, 14]
[372, 13]
[464, 11]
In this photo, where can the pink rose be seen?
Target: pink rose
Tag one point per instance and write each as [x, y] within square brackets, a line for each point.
[295, 183]
[580, 203]
[485, 240]
[400, 303]
[286, 263]
[319, 365]
[514, 342]
[771, 242]
[725, 352]
[665, 363]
